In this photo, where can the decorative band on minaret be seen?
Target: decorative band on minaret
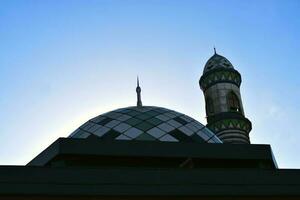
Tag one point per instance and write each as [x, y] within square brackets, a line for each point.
[220, 84]
[138, 92]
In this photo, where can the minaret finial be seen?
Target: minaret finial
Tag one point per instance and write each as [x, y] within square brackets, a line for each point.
[215, 50]
[138, 92]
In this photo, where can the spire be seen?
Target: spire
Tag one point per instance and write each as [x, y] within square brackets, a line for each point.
[215, 51]
[138, 92]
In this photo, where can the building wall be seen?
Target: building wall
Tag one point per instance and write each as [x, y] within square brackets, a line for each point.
[218, 94]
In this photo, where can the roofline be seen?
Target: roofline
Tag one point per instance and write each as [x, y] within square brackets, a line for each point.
[98, 147]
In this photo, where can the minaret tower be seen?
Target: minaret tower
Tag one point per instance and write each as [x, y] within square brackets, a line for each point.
[220, 84]
[138, 93]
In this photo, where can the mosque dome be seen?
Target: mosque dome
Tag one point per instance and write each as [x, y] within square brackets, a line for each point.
[146, 123]
[217, 61]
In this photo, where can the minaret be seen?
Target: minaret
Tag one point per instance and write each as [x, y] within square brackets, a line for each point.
[138, 92]
[220, 84]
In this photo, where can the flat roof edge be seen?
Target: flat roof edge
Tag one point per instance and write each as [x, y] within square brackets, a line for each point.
[95, 147]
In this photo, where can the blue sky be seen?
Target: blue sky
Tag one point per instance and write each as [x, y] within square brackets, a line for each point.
[63, 62]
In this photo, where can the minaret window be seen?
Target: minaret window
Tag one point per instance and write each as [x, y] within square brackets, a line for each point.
[209, 106]
[233, 102]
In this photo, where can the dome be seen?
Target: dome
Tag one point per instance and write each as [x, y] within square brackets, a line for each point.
[146, 123]
[217, 61]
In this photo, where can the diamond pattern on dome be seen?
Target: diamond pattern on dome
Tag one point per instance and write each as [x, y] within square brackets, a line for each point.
[147, 123]
[217, 61]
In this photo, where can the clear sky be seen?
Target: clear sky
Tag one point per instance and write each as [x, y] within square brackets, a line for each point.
[63, 62]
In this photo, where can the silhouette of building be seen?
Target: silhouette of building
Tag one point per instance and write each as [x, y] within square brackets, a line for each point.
[147, 152]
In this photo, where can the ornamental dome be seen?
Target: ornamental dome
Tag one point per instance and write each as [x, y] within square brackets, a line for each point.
[217, 61]
[146, 123]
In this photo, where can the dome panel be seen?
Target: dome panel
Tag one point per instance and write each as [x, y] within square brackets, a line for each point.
[217, 61]
[147, 123]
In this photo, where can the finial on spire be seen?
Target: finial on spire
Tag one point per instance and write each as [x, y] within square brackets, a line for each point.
[215, 50]
[138, 92]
